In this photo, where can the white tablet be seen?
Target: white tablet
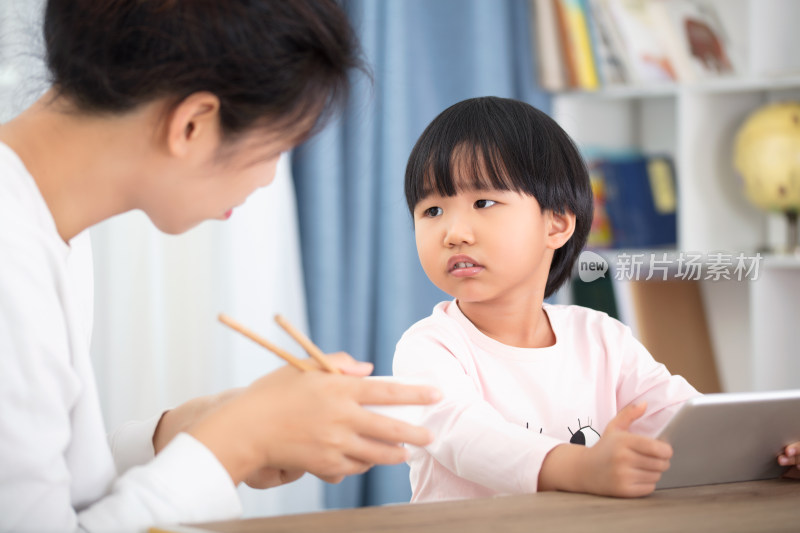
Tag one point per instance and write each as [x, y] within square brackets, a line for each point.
[721, 438]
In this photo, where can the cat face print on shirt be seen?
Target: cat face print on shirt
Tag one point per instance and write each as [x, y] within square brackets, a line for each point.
[584, 435]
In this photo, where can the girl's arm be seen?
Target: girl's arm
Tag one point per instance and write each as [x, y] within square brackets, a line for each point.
[627, 460]
[472, 439]
[619, 464]
[642, 379]
[476, 443]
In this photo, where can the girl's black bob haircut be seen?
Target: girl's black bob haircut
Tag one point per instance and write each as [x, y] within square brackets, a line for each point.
[505, 144]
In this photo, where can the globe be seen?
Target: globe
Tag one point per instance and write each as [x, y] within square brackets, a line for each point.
[767, 155]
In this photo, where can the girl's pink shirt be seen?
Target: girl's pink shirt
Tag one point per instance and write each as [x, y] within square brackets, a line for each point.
[505, 408]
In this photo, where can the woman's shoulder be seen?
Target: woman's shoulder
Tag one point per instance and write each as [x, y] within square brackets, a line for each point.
[23, 211]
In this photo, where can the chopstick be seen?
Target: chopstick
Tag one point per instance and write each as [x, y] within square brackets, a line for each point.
[280, 352]
[312, 349]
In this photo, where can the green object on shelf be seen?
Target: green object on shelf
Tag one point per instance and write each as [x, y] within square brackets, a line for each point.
[598, 295]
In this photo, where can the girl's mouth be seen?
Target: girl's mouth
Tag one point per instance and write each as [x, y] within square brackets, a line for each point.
[462, 266]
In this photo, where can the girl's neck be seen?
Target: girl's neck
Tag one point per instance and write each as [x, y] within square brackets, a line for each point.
[522, 323]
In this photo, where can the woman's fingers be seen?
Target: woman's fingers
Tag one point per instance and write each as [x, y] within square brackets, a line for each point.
[391, 430]
[312, 421]
[348, 365]
[332, 479]
[373, 452]
[388, 392]
[265, 478]
[345, 460]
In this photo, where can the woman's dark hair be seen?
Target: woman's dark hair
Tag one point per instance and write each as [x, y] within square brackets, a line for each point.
[264, 59]
[504, 144]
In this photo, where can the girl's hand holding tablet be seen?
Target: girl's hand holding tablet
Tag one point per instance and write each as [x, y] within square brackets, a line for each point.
[620, 464]
[791, 457]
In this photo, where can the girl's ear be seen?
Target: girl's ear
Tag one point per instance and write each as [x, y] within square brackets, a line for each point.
[193, 124]
[560, 227]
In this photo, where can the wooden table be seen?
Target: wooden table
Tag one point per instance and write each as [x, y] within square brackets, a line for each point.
[752, 507]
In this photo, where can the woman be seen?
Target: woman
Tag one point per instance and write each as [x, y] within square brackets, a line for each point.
[180, 108]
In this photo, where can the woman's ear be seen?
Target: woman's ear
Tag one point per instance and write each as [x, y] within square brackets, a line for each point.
[560, 227]
[193, 124]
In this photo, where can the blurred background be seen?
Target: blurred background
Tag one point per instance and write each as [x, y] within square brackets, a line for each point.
[329, 245]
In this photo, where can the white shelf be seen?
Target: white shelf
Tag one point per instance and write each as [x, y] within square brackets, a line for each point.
[753, 323]
[726, 85]
[719, 85]
[624, 92]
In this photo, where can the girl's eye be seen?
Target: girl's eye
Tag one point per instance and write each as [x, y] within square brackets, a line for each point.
[483, 204]
[432, 212]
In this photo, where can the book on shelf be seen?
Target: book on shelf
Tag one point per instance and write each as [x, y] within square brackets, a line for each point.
[639, 199]
[646, 56]
[586, 44]
[577, 32]
[551, 63]
[606, 45]
[694, 36]
[600, 235]
[567, 44]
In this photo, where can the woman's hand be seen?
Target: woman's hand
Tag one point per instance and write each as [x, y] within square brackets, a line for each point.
[185, 415]
[294, 421]
[620, 464]
[266, 478]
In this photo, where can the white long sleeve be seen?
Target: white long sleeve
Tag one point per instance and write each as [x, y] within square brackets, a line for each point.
[132, 443]
[505, 408]
[57, 472]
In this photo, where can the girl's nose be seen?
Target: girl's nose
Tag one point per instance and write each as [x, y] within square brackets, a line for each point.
[459, 232]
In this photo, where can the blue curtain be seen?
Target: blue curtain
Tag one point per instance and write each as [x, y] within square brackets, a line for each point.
[364, 284]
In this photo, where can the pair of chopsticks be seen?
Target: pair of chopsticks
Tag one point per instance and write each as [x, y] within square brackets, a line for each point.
[302, 365]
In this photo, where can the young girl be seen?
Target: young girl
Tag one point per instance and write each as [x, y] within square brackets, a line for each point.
[536, 396]
[179, 108]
